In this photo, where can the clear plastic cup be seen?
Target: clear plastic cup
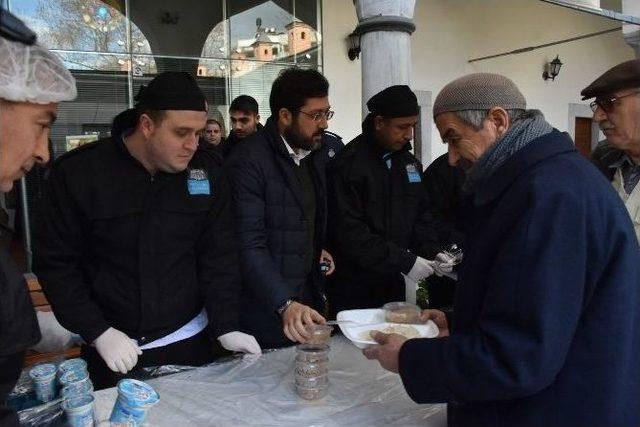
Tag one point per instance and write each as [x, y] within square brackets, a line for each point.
[312, 354]
[320, 334]
[44, 381]
[309, 370]
[79, 410]
[401, 312]
[312, 382]
[312, 393]
[134, 400]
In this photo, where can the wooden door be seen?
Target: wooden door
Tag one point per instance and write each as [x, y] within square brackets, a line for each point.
[583, 135]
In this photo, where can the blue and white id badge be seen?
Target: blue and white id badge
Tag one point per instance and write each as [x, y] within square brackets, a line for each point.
[198, 182]
[413, 175]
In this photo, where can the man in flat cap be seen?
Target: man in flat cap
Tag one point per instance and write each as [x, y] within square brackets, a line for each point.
[381, 224]
[135, 252]
[546, 326]
[616, 109]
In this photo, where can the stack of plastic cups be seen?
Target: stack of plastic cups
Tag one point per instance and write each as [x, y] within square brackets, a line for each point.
[77, 392]
[79, 410]
[44, 381]
[134, 400]
[312, 371]
[72, 365]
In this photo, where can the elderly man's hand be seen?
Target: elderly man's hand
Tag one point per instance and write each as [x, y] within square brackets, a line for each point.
[439, 318]
[388, 352]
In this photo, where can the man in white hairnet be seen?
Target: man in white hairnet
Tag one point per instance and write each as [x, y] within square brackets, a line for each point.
[32, 83]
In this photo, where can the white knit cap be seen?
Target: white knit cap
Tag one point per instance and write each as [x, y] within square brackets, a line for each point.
[33, 74]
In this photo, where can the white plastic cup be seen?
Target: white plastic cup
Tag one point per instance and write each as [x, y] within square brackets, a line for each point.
[44, 381]
[134, 400]
[76, 389]
[75, 364]
[73, 377]
[79, 410]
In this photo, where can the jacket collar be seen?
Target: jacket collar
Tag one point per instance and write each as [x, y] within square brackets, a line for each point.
[542, 148]
[286, 163]
[380, 153]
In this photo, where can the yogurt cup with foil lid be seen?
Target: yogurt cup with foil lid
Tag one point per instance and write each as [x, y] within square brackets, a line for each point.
[134, 400]
[73, 376]
[44, 381]
[77, 389]
[79, 410]
[76, 364]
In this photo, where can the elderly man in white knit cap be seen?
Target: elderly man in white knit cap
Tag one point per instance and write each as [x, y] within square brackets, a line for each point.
[32, 83]
[546, 327]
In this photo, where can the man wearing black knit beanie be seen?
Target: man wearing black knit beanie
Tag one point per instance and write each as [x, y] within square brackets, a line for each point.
[383, 231]
[135, 252]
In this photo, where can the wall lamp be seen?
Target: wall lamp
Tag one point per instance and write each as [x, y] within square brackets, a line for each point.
[553, 69]
[354, 45]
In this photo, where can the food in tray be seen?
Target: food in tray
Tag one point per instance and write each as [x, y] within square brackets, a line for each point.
[401, 312]
[404, 330]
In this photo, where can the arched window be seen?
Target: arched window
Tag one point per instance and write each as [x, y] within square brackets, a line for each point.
[303, 35]
[92, 33]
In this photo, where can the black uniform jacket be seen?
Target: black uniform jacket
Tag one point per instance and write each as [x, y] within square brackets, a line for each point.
[143, 254]
[380, 219]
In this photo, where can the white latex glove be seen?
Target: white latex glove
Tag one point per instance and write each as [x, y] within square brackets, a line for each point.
[410, 289]
[444, 264]
[54, 336]
[238, 341]
[421, 268]
[118, 351]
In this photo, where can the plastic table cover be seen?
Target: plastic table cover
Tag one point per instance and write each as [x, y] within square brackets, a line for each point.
[260, 391]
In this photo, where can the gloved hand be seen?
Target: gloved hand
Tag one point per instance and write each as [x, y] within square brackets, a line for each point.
[421, 268]
[118, 351]
[238, 341]
[444, 263]
[54, 336]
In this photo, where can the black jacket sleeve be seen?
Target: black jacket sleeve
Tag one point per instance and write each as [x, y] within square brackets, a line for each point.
[428, 237]
[59, 244]
[444, 184]
[353, 237]
[218, 271]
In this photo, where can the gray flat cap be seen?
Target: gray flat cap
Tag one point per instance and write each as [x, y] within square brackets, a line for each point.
[479, 91]
[622, 76]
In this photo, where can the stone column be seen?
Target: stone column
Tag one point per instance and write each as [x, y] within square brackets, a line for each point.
[385, 28]
[632, 32]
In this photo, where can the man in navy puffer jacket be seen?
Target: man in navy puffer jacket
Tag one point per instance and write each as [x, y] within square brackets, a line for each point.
[279, 197]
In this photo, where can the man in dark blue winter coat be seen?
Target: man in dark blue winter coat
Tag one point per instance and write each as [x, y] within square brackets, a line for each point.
[546, 326]
[279, 196]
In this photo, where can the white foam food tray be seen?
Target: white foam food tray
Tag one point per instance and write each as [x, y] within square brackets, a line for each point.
[373, 319]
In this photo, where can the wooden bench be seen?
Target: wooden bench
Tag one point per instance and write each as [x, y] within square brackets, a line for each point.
[41, 304]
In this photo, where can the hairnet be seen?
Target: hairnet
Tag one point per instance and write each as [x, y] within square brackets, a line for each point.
[33, 74]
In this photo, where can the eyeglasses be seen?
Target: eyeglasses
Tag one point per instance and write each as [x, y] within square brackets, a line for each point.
[316, 117]
[608, 104]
